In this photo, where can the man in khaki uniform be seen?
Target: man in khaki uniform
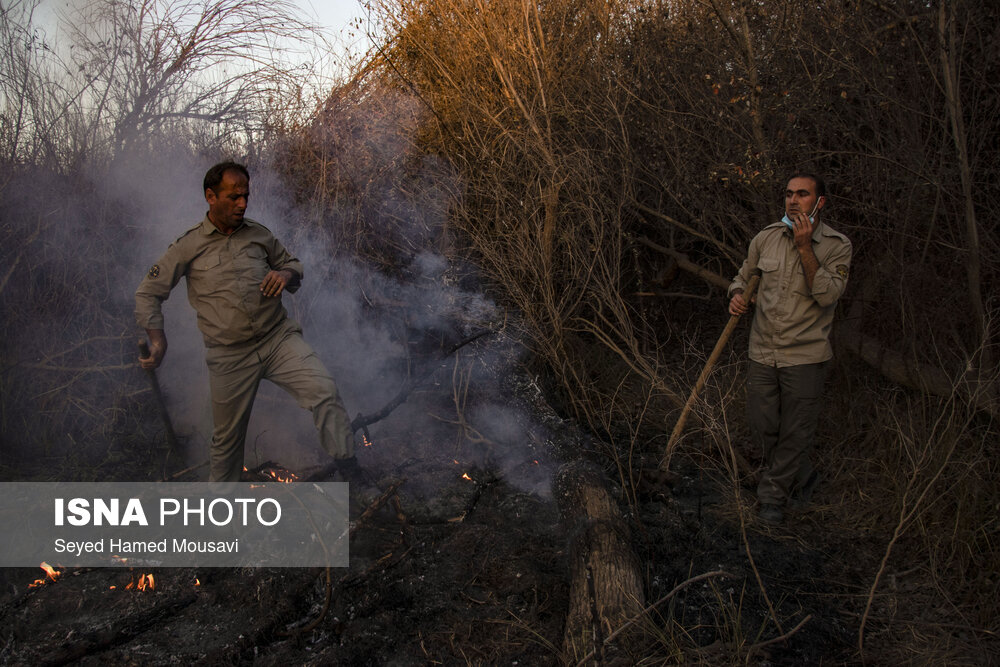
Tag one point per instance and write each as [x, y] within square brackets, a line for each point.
[803, 265]
[236, 272]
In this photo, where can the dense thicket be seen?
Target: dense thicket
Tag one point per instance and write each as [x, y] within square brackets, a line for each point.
[581, 126]
[582, 129]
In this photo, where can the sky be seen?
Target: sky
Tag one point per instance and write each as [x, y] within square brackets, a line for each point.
[336, 19]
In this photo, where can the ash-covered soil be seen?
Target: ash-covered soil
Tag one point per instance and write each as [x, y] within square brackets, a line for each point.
[475, 575]
[467, 563]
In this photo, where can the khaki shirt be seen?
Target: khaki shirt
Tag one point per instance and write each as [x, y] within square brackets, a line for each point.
[791, 323]
[224, 274]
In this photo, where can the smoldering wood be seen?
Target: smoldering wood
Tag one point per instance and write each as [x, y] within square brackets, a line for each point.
[606, 586]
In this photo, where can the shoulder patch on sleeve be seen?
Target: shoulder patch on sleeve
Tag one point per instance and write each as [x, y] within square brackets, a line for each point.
[842, 271]
[154, 271]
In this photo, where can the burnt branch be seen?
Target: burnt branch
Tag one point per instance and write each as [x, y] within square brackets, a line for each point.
[363, 421]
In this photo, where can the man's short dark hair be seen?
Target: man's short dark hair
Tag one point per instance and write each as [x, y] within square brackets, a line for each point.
[818, 180]
[214, 175]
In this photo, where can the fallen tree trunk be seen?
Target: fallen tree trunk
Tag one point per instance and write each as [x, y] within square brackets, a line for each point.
[909, 372]
[684, 264]
[606, 587]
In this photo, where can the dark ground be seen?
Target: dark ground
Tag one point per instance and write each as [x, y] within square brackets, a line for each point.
[475, 571]
[441, 589]
[476, 574]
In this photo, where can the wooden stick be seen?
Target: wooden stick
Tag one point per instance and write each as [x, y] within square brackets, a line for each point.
[714, 357]
[161, 406]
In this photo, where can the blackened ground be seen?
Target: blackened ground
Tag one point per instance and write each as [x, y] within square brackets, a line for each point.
[476, 574]
[468, 565]
[483, 581]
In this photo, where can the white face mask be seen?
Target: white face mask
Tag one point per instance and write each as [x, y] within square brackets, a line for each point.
[812, 216]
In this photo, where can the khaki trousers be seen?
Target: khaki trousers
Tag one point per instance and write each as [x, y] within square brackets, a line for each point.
[284, 358]
[783, 407]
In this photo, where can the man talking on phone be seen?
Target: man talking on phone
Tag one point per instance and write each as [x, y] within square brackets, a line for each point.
[803, 265]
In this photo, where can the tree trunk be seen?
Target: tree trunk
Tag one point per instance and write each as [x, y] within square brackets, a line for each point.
[947, 47]
[605, 581]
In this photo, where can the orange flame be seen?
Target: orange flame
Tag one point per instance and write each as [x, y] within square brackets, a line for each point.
[50, 572]
[465, 475]
[284, 476]
[365, 441]
[145, 582]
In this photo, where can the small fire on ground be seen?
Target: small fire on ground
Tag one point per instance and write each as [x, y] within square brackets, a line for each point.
[284, 476]
[145, 582]
[51, 574]
[275, 474]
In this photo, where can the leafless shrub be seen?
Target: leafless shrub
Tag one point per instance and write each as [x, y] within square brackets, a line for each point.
[207, 76]
[578, 126]
[524, 100]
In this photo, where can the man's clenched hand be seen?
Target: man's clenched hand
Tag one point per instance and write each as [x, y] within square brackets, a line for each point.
[275, 281]
[738, 305]
[157, 349]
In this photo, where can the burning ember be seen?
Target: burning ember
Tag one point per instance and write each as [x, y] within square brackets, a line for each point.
[284, 476]
[365, 441]
[50, 572]
[465, 475]
[144, 582]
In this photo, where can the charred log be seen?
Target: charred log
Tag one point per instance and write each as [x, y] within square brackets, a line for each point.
[118, 633]
[605, 579]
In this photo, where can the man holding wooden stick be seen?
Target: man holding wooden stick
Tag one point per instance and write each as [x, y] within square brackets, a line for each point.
[236, 272]
[803, 265]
